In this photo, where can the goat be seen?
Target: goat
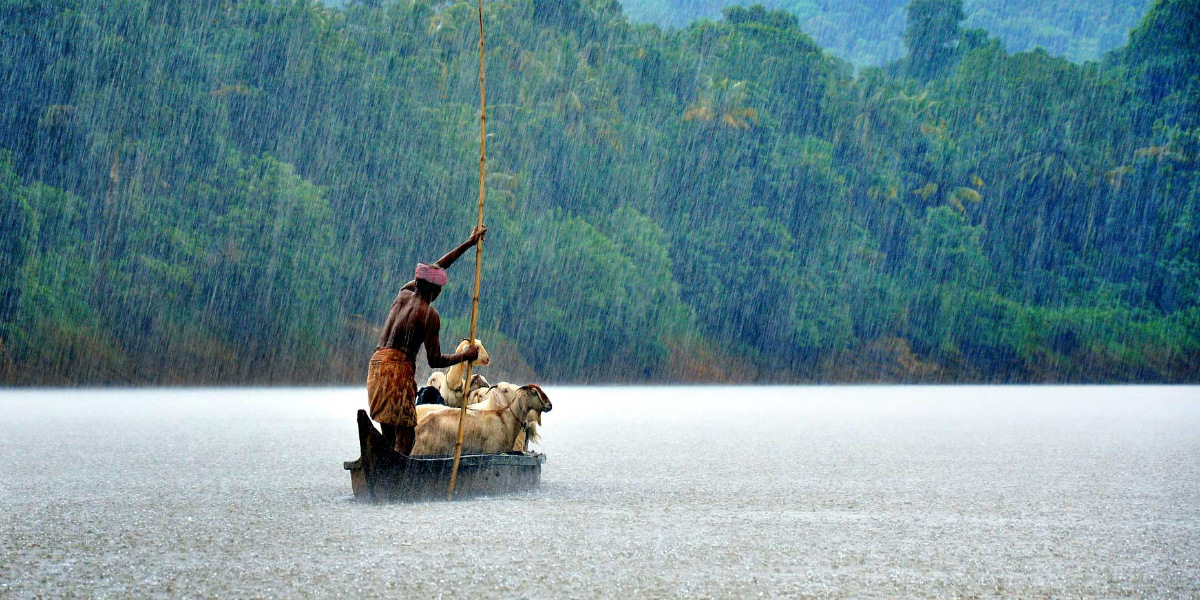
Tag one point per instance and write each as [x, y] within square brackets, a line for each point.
[450, 383]
[486, 431]
[499, 396]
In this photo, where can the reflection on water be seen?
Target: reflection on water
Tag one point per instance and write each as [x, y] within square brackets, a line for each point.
[727, 492]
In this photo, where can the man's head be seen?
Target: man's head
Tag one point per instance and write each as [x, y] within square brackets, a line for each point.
[430, 279]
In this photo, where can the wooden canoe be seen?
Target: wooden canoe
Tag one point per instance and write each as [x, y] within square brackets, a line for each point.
[382, 474]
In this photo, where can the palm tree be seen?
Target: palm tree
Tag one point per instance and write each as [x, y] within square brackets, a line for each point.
[1050, 172]
[875, 110]
[918, 105]
[957, 197]
[1049, 168]
[566, 85]
[723, 103]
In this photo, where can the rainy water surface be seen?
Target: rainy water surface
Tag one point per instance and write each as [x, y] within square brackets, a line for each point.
[648, 492]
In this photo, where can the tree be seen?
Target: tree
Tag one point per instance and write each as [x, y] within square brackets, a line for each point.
[19, 225]
[723, 103]
[234, 191]
[931, 36]
[1163, 55]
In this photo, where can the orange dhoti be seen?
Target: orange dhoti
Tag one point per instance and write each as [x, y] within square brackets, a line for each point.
[391, 390]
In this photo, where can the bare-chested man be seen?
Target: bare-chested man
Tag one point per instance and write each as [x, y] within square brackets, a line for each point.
[391, 390]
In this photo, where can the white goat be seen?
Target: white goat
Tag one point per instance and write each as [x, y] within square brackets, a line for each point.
[486, 431]
[450, 384]
[500, 396]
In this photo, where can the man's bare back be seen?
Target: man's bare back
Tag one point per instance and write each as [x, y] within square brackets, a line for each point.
[411, 322]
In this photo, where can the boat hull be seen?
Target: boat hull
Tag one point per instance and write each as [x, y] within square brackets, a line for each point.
[382, 474]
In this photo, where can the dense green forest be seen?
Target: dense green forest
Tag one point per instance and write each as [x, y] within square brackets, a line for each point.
[233, 191]
[870, 32]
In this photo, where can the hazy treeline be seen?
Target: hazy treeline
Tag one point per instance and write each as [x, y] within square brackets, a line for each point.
[233, 191]
[870, 32]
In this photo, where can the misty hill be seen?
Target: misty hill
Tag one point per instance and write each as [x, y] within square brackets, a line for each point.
[234, 192]
[868, 32]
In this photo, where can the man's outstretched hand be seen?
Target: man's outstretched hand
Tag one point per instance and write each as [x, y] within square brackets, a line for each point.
[451, 256]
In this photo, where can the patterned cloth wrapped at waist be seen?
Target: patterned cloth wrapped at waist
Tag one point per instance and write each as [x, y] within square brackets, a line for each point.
[391, 390]
[391, 354]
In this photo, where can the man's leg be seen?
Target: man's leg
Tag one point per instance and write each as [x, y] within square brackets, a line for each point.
[389, 434]
[405, 438]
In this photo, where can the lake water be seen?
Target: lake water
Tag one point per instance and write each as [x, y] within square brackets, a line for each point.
[648, 492]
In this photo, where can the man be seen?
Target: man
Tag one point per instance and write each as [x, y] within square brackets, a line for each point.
[391, 390]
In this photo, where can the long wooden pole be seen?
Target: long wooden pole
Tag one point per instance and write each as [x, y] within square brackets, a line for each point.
[466, 386]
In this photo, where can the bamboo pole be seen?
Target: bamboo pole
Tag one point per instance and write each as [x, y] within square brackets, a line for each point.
[462, 412]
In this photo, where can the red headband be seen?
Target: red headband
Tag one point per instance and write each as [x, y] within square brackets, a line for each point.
[431, 273]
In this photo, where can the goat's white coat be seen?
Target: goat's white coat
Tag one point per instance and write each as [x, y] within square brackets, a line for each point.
[453, 377]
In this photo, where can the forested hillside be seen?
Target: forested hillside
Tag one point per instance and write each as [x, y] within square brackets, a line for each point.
[231, 192]
[870, 32]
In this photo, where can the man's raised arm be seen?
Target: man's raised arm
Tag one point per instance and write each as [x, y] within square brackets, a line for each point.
[451, 256]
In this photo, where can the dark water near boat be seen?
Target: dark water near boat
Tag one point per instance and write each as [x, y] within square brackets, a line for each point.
[648, 492]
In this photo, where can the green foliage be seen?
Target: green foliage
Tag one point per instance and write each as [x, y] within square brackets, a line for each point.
[1163, 59]
[931, 35]
[609, 303]
[870, 32]
[947, 248]
[19, 224]
[234, 191]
